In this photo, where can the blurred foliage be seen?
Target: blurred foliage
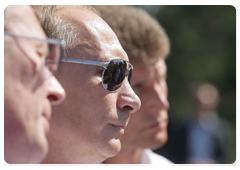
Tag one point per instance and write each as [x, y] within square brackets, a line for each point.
[203, 48]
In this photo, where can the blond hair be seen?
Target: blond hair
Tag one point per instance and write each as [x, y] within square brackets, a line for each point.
[140, 35]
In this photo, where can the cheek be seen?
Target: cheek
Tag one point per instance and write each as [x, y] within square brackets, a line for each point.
[87, 105]
[36, 122]
[136, 118]
[28, 109]
[144, 97]
[134, 127]
[110, 103]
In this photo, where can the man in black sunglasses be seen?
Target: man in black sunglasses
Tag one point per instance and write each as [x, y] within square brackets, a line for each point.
[147, 46]
[29, 86]
[96, 75]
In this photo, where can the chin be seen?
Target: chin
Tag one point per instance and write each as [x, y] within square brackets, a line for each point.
[154, 141]
[113, 148]
[39, 147]
[159, 140]
[37, 157]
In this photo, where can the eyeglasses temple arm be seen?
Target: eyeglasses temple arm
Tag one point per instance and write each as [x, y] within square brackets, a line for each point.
[85, 62]
[49, 40]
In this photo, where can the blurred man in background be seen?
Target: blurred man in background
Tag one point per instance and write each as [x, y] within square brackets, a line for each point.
[204, 137]
[208, 135]
[147, 47]
[88, 126]
[29, 86]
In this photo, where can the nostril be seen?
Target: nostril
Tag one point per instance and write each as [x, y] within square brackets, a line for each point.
[52, 98]
[128, 108]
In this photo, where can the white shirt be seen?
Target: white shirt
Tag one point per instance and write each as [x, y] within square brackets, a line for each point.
[149, 158]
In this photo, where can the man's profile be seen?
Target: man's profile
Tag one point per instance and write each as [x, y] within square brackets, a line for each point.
[96, 75]
[29, 86]
[147, 46]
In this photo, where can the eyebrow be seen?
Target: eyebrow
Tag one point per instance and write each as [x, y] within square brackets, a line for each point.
[42, 48]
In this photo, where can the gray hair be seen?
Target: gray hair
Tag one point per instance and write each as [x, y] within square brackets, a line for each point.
[56, 26]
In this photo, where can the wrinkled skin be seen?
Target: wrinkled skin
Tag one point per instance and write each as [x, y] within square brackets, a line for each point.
[29, 89]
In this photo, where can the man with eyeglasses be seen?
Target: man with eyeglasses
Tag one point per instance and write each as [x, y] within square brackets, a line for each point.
[147, 46]
[30, 89]
[96, 75]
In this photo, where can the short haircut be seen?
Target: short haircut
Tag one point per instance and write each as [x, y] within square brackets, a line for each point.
[58, 27]
[140, 35]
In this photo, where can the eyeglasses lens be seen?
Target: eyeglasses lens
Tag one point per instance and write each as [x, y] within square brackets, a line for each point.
[53, 58]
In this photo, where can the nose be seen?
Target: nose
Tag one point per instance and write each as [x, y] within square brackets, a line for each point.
[159, 95]
[127, 98]
[56, 93]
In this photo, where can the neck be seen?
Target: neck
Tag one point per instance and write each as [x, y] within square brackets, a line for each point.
[126, 156]
[72, 154]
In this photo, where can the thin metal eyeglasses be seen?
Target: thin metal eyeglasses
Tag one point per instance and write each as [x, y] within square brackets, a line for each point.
[113, 74]
[55, 48]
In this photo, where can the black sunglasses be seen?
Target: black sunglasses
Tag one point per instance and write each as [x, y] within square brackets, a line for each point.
[114, 73]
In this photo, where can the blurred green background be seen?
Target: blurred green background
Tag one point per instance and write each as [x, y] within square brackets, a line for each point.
[203, 48]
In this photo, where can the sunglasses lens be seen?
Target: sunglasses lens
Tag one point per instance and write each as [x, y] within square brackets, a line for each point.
[114, 74]
[130, 76]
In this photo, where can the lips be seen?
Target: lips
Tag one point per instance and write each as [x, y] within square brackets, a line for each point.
[119, 128]
[46, 124]
[118, 124]
[46, 117]
[159, 125]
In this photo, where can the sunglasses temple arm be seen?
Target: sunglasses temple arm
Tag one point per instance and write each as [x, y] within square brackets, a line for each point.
[85, 62]
[129, 64]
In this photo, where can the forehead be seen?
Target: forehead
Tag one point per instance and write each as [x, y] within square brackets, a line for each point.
[96, 34]
[21, 20]
[144, 72]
